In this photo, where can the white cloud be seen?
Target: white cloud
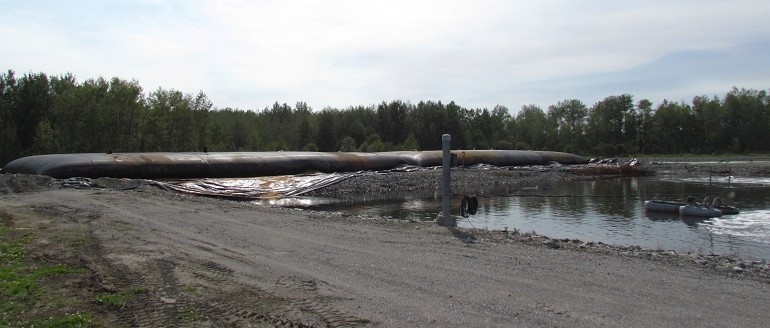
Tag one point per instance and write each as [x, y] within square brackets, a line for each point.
[339, 53]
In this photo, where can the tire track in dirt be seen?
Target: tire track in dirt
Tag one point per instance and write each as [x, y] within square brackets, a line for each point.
[148, 302]
[320, 309]
[210, 268]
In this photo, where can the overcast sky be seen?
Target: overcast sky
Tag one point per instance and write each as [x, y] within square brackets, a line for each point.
[249, 54]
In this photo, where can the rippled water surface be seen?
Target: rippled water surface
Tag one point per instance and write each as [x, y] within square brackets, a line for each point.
[609, 210]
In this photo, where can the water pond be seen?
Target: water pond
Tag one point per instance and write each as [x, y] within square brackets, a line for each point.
[609, 210]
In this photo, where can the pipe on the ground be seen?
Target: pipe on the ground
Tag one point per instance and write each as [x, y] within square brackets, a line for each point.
[254, 164]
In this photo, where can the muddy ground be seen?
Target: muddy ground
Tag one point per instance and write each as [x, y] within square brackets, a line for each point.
[206, 262]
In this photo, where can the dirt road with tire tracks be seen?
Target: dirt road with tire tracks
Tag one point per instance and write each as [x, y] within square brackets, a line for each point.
[212, 262]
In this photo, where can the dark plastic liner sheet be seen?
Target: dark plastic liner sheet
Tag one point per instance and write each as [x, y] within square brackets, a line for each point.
[257, 164]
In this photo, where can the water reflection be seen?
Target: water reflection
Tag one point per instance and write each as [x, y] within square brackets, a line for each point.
[608, 210]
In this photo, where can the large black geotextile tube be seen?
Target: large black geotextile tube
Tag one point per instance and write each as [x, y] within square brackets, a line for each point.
[254, 164]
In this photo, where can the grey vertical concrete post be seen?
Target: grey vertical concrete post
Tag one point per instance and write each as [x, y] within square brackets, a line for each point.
[445, 218]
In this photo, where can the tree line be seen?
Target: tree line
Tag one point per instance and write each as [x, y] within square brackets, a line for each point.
[42, 114]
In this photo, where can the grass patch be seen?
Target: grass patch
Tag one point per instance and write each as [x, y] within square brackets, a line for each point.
[54, 270]
[79, 242]
[189, 315]
[17, 281]
[66, 320]
[117, 301]
[26, 283]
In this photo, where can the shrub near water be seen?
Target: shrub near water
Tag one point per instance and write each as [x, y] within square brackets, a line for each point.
[24, 283]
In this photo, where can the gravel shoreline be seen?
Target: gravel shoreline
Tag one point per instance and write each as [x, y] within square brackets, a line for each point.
[471, 180]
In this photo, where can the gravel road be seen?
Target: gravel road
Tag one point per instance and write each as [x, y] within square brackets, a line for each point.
[252, 266]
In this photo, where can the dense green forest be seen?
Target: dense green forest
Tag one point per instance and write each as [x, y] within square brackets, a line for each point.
[42, 114]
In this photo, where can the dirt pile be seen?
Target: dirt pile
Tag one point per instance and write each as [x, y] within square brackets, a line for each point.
[19, 183]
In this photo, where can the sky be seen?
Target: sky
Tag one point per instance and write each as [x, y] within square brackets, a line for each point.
[250, 54]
